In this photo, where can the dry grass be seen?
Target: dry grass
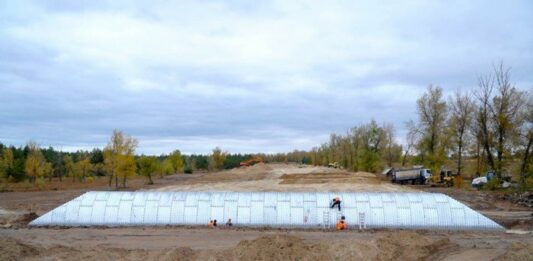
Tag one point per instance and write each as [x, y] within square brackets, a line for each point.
[68, 184]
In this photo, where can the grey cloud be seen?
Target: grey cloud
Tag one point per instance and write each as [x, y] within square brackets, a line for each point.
[51, 94]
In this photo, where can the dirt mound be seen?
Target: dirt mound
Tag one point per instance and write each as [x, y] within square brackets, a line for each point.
[401, 245]
[15, 219]
[11, 249]
[407, 245]
[181, 253]
[378, 245]
[524, 199]
[389, 246]
[258, 171]
[26, 218]
[272, 248]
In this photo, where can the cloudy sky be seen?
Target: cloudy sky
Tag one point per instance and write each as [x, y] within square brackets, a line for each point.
[248, 76]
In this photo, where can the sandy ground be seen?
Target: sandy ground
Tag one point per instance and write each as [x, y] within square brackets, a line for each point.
[286, 177]
[17, 242]
[504, 212]
[174, 243]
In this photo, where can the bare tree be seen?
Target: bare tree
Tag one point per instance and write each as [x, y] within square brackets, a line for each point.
[528, 140]
[461, 108]
[483, 95]
[499, 115]
[506, 109]
[388, 128]
[413, 134]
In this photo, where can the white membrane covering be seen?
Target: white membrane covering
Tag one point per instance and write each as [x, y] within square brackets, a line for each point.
[266, 209]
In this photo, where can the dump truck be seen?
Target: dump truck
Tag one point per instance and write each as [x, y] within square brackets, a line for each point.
[419, 175]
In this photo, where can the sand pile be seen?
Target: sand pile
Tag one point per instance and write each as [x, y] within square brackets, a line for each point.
[259, 168]
[256, 172]
[407, 245]
[11, 249]
[273, 248]
[398, 245]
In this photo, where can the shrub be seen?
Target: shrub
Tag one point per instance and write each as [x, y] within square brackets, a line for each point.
[493, 184]
[40, 183]
[187, 170]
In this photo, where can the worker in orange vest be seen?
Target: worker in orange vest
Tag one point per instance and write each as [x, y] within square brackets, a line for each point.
[336, 202]
[211, 224]
[341, 224]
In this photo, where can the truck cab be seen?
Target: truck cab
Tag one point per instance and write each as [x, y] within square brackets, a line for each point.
[426, 173]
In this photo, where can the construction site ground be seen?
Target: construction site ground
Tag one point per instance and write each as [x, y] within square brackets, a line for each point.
[20, 206]
[284, 177]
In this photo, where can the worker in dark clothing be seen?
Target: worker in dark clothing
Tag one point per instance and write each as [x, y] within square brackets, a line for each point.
[336, 202]
[215, 223]
[229, 223]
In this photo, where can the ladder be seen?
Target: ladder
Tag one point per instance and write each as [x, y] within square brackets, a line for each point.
[325, 219]
[362, 223]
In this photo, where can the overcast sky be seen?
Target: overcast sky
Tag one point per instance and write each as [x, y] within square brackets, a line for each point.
[248, 76]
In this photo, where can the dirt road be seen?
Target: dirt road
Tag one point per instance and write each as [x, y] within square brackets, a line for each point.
[286, 177]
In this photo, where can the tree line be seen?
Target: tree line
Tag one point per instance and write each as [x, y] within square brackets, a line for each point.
[117, 161]
[491, 124]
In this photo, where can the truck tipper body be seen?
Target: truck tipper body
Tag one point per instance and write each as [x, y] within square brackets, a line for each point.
[413, 176]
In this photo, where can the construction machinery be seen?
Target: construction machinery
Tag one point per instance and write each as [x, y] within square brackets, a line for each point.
[335, 165]
[251, 162]
[417, 175]
[446, 178]
[480, 181]
[504, 181]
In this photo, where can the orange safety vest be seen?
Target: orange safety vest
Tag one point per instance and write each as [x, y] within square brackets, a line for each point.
[210, 224]
[341, 225]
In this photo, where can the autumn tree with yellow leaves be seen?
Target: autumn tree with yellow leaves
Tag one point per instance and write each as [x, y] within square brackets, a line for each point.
[35, 165]
[217, 159]
[70, 170]
[119, 157]
[82, 168]
[148, 166]
[176, 161]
